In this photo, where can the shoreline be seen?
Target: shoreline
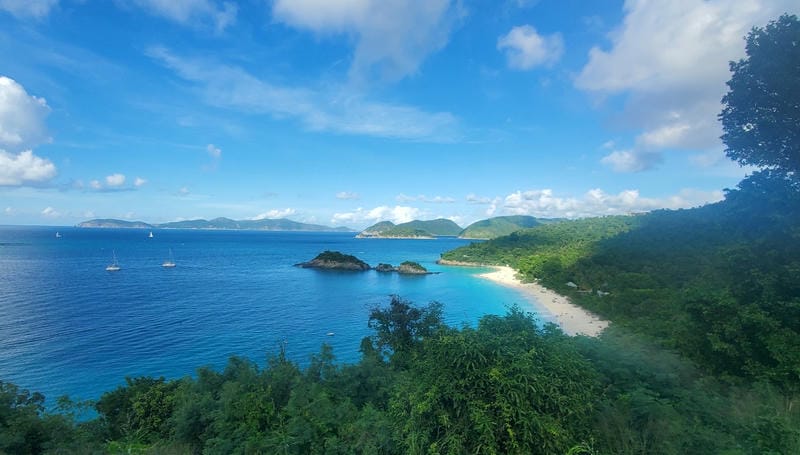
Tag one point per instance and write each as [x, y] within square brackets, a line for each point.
[572, 319]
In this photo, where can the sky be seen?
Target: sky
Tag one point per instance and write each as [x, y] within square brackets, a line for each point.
[350, 112]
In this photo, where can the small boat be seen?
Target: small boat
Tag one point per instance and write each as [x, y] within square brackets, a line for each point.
[330, 334]
[58, 235]
[113, 267]
[151, 235]
[169, 263]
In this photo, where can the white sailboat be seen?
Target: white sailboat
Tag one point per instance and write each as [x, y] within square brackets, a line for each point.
[58, 235]
[169, 263]
[151, 235]
[113, 267]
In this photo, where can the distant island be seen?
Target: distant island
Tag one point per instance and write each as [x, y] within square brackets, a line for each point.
[281, 224]
[334, 260]
[480, 230]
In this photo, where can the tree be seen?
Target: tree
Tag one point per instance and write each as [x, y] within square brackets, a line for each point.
[400, 327]
[761, 110]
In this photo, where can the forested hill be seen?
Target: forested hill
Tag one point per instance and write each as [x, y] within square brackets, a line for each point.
[719, 283]
[412, 229]
[499, 226]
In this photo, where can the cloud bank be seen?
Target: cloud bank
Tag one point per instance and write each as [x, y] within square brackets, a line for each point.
[670, 61]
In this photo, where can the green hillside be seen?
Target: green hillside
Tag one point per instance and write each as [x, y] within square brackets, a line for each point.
[498, 226]
[720, 283]
[438, 228]
[412, 229]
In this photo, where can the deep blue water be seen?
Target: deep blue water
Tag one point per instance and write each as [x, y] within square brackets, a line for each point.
[69, 327]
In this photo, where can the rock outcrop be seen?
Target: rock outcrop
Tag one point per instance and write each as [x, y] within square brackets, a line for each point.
[334, 260]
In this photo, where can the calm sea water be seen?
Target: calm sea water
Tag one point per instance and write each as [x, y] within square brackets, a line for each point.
[69, 327]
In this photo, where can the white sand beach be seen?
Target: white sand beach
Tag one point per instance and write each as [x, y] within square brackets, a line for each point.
[572, 319]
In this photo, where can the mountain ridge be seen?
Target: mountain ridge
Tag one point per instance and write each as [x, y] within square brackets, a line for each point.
[219, 223]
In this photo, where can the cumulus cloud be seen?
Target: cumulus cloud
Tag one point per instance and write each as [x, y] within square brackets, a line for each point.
[670, 61]
[402, 198]
[333, 110]
[396, 214]
[392, 37]
[28, 8]
[275, 213]
[24, 168]
[347, 195]
[525, 48]
[545, 203]
[21, 117]
[193, 12]
[115, 180]
[139, 182]
[183, 191]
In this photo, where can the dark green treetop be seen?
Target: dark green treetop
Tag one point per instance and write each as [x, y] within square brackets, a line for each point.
[761, 114]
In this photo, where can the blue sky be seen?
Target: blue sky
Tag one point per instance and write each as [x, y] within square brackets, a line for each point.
[355, 111]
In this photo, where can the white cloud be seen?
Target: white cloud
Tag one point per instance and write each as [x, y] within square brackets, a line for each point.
[21, 117]
[545, 204]
[10, 211]
[473, 199]
[28, 8]
[347, 195]
[214, 151]
[392, 37]
[24, 168]
[525, 48]
[50, 212]
[139, 182]
[193, 12]
[96, 185]
[402, 198]
[115, 180]
[670, 61]
[275, 213]
[396, 214]
[632, 160]
[334, 110]
[183, 191]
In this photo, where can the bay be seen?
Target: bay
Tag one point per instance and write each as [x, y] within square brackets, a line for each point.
[68, 326]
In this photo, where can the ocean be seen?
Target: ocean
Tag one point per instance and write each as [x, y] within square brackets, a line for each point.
[69, 327]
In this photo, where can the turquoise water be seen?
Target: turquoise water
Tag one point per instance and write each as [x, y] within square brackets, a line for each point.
[69, 327]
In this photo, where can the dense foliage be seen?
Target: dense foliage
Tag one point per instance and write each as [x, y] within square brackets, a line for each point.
[721, 283]
[507, 386]
[762, 107]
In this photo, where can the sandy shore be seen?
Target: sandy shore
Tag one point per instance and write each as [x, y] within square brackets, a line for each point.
[572, 319]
